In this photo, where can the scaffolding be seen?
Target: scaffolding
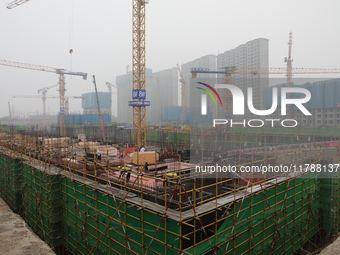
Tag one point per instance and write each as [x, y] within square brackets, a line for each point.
[91, 206]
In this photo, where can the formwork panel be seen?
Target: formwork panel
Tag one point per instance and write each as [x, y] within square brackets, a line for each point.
[260, 222]
[11, 181]
[93, 217]
[330, 191]
[87, 217]
[42, 203]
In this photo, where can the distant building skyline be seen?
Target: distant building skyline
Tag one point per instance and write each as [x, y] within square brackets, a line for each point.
[253, 53]
[324, 104]
[163, 86]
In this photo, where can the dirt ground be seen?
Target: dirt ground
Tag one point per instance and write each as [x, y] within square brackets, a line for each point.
[332, 249]
[16, 238]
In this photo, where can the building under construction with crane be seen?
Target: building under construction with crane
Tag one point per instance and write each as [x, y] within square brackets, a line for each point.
[155, 190]
[82, 197]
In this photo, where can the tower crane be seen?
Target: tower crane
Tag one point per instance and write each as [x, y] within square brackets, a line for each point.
[61, 73]
[289, 60]
[289, 74]
[10, 114]
[11, 120]
[67, 100]
[138, 73]
[43, 96]
[44, 100]
[16, 3]
[228, 71]
[110, 86]
[182, 81]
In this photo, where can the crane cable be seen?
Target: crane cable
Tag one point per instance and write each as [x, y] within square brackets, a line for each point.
[71, 31]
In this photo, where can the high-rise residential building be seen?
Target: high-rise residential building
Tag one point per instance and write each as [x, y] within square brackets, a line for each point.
[124, 95]
[251, 54]
[90, 105]
[324, 104]
[192, 94]
[161, 91]
[164, 92]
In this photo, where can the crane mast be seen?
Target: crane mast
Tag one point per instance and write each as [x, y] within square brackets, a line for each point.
[110, 86]
[182, 81]
[10, 113]
[138, 71]
[289, 61]
[43, 96]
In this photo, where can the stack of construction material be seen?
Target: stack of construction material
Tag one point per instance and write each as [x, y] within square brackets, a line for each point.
[86, 147]
[58, 142]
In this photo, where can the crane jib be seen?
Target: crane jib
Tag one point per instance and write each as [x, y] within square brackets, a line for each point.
[63, 71]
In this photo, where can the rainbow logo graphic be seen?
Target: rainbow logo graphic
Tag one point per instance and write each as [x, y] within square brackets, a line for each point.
[204, 97]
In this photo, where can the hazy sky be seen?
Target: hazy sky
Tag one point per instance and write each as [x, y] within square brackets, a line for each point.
[100, 33]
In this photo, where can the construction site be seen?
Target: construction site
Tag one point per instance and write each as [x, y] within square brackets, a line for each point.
[82, 197]
[88, 185]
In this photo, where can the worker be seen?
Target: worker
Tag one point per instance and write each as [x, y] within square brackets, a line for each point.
[142, 149]
[146, 166]
[128, 177]
[217, 160]
[121, 172]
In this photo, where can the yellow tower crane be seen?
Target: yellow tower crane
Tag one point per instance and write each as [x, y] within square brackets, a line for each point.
[139, 73]
[61, 73]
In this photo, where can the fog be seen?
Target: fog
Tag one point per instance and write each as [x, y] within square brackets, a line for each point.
[42, 32]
